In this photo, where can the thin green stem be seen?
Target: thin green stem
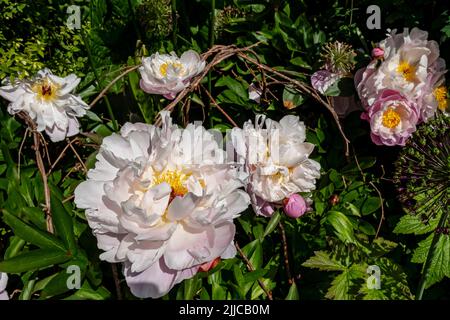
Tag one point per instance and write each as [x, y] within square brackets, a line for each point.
[91, 62]
[430, 255]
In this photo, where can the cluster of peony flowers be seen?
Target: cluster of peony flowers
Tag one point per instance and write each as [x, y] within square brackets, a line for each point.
[48, 101]
[162, 201]
[402, 86]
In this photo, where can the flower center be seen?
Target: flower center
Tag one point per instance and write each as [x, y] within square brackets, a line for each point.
[407, 71]
[45, 90]
[440, 93]
[175, 179]
[391, 118]
[176, 66]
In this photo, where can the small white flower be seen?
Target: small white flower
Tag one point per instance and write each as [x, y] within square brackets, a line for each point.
[47, 99]
[167, 74]
[3, 283]
[276, 159]
[162, 202]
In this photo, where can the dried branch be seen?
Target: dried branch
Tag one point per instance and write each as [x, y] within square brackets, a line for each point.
[41, 167]
[218, 107]
[251, 268]
[106, 89]
[286, 253]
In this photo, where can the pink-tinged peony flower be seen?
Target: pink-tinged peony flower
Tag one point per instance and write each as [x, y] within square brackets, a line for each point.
[209, 265]
[377, 53]
[3, 283]
[167, 74]
[277, 160]
[295, 206]
[411, 66]
[392, 118]
[47, 99]
[162, 202]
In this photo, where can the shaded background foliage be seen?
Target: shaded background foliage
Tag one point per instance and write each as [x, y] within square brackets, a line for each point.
[329, 249]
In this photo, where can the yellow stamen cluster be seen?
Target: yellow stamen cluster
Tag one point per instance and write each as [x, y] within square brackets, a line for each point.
[165, 65]
[391, 118]
[176, 180]
[407, 70]
[45, 90]
[440, 93]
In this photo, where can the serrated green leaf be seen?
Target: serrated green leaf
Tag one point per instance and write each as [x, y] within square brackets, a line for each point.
[412, 224]
[322, 261]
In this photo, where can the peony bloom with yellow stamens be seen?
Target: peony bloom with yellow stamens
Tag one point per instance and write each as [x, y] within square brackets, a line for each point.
[162, 201]
[167, 74]
[392, 118]
[411, 65]
[49, 101]
[276, 158]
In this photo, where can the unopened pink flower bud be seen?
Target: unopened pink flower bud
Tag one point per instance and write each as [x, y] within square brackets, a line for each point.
[295, 206]
[377, 53]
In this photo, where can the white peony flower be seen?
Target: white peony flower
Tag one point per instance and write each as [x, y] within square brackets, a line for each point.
[3, 283]
[276, 159]
[162, 202]
[47, 99]
[167, 74]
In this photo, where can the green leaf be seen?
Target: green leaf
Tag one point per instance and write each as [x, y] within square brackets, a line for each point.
[233, 85]
[273, 223]
[343, 87]
[33, 260]
[63, 224]
[370, 205]
[57, 285]
[366, 228]
[342, 226]
[218, 292]
[412, 224]
[440, 263]
[292, 98]
[35, 236]
[293, 293]
[256, 259]
[322, 261]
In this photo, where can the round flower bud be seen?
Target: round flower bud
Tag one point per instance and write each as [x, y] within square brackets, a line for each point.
[294, 206]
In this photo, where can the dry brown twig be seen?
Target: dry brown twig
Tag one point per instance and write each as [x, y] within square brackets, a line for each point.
[37, 150]
[251, 268]
[291, 279]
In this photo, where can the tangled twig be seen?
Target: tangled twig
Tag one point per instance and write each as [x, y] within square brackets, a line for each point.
[221, 52]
